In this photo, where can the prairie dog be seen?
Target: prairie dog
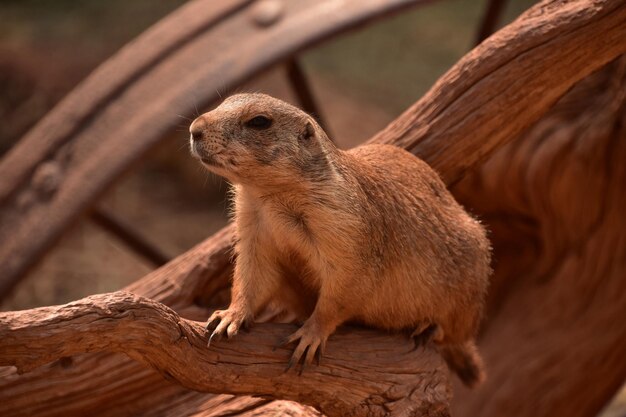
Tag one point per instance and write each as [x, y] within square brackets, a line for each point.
[369, 235]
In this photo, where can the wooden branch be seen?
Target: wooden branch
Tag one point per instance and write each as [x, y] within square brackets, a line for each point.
[382, 376]
[508, 82]
[554, 202]
[85, 382]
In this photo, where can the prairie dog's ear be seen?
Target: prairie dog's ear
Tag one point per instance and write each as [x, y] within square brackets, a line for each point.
[307, 133]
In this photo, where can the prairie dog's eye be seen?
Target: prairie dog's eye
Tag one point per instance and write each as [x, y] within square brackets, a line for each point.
[259, 122]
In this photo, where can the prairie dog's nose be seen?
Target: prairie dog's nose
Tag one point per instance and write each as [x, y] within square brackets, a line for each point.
[196, 129]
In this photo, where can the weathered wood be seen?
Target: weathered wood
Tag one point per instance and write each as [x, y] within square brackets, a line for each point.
[574, 37]
[85, 382]
[364, 373]
[507, 82]
[554, 200]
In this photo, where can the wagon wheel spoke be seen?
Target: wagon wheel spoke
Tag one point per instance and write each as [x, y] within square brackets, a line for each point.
[129, 235]
[301, 86]
[490, 19]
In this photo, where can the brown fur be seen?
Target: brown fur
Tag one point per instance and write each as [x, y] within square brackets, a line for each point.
[369, 235]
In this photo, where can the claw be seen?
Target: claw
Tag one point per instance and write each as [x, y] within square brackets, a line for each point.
[310, 347]
[213, 321]
[232, 330]
[217, 336]
[290, 364]
[209, 324]
[224, 322]
[423, 335]
[297, 353]
[290, 339]
[305, 353]
[311, 353]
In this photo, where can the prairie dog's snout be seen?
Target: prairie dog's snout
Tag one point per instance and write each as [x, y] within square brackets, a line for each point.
[197, 129]
[205, 144]
[196, 132]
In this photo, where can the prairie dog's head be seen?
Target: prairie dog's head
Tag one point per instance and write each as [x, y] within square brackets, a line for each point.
[257, 139]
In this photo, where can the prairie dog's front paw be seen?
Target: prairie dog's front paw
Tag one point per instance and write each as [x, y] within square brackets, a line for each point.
[311, 344]
[225, 321]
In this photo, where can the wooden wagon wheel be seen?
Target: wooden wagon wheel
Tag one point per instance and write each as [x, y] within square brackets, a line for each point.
[46, 179]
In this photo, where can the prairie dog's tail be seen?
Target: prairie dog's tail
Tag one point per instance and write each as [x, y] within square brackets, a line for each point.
[464, 360]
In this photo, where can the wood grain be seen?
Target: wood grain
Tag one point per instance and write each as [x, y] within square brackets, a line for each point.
[508, 82]
[385, 376]
[554, 201]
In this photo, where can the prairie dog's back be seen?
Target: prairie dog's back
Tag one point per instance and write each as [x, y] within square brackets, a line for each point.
[427, 238]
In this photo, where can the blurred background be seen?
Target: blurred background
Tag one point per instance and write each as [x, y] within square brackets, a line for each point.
[362, 80]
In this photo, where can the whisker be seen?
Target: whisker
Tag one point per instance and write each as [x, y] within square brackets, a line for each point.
[184, 145]
[196, 107]
[184, 117]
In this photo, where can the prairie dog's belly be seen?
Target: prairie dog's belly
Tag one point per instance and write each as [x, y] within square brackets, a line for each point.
[296, 261]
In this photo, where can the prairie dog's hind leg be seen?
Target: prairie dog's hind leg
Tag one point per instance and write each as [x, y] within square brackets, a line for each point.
[425, 332]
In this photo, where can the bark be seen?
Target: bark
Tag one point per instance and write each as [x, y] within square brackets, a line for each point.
[83, 383]
[490, 96]
[554, 201]
[508, 82]
[384, 376]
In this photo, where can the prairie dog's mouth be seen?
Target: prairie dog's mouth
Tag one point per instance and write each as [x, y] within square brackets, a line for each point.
[209, 160]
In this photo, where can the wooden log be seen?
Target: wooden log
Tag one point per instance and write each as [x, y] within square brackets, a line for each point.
[364, 373]
[508, 82]
[83, 383]
[494, 93]
[554, 201]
